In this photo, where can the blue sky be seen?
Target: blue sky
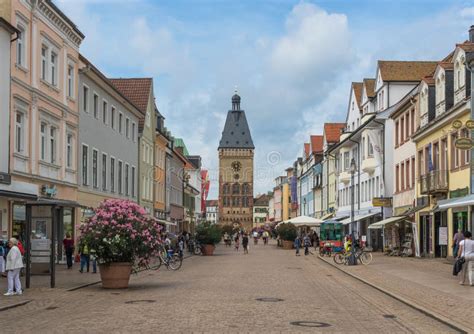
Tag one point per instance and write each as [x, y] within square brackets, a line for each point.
[292, 61]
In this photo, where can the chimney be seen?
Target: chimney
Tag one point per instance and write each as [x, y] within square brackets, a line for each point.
[471, 34]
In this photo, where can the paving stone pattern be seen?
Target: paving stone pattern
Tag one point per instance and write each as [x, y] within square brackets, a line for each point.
[219, 295]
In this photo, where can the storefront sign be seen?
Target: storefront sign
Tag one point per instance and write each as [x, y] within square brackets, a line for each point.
[443, 236]
[5, 178]
[463, 143]
[382, 201]
[461, 192]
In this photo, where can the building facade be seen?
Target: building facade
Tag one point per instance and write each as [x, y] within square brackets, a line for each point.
[159, 185]
[108, 140]
[212, 211]
[236, 152]
[260, 210]
[140, 92]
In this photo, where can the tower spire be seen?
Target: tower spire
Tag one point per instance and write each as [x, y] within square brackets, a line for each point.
[235, 100]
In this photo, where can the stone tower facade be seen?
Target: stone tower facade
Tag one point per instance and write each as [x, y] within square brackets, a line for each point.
[236, 151]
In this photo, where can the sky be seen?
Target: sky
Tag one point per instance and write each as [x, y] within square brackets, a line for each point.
[292, 62]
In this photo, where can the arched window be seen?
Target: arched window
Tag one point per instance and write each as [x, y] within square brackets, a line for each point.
[245, 202]
[236, 201]
[235, 189]
[225, 189]
[245, 189]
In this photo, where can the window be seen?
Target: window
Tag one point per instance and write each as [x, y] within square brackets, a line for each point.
[20, 47]
[43, 141]
[120, 163]
[112, 117]
[454, 151]
[104, 112]
[127, 193]
[85, 164]
[94, 168]
[112, 174]
[413, 176]
[346, 160]
[70, 81]
[397, 178]
[127, 125]
[104, 171]
[54, 68]
[466, 154]
[120, 122]
[421, 163]
[370, 148]
[19, 128]
[435, 153]
[412, 118]
[133, 181]
[397, 129]
[407, 174]
[52, 142]
[44, 62]
[363, 148]
[133, 131]
[407, 126]
[69, 150]
[96, 106]
[235, 189]
[377, 186]
[85, 98]
[402, 129]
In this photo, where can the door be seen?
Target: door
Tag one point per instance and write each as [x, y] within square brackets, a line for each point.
[422, 236]
[437, 225]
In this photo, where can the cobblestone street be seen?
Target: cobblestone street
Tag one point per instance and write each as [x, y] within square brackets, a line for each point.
[220, 294]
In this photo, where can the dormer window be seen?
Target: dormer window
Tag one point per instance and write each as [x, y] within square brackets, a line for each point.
[440, 89]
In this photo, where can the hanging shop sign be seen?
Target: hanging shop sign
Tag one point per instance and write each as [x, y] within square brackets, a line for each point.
[457, 124]
[382, 202]
[463, 143]
[470, 124]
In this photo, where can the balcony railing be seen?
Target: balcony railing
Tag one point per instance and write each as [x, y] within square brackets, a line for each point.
[434, 182]
[440, 108]
[424, 120]
[459, 94]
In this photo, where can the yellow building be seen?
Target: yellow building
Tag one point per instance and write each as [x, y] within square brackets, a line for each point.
[442, 169]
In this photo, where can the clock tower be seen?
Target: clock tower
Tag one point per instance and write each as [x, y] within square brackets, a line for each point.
[236, 152]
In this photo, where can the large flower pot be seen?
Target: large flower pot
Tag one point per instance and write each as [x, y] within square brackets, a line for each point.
[208, 249]
[287, 244]
[115, 275]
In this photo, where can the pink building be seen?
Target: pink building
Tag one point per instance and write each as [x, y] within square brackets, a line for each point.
[44, 117]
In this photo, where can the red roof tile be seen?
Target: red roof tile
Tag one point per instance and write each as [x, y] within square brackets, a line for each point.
[446, 65]
[405, 70]
[306, 149]
[466, 46]
[332, 131]
[212, 202]
[316, 143]
[369, 87]
[429, 80]
[357, 87]
[137, 90]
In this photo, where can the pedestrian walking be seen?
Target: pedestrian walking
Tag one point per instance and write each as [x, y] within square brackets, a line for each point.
[245, 243]
[85, 256]
[297, 245]
[181, 247]
[2, 257]
[458, 237]
[13, 267]
[237, 242]
[255, 237]
[307, 244]
[68, 244]
[466, 250]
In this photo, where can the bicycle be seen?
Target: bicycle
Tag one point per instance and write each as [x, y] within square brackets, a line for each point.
[363, 256]
[167, 257]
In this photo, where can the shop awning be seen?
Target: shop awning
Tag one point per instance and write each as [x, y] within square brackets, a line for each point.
[166, 222]
[360, 217]
[446, 204]
[415, 209]
[54, 202]
[327, 216]
[384, 222]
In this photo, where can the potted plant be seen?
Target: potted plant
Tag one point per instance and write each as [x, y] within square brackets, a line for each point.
[287, 233]
[120, 235]
[208, 235]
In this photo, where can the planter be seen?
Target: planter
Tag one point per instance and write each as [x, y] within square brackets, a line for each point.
[287, 244]
[208, 250]
[115, 275]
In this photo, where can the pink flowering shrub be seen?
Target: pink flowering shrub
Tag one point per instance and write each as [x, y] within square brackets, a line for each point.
[120, 232]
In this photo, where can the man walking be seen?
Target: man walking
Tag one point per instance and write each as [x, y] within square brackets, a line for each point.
[307, 244]
[297, 245]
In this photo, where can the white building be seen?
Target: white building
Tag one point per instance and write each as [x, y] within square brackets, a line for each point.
[212, 211]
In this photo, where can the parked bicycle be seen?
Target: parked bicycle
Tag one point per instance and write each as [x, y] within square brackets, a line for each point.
[168, 257]
[362, 256]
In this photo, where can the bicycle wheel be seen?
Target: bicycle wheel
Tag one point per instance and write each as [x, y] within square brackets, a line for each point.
[175, 262]
[155, 263]
[365, 258]
[339, 258]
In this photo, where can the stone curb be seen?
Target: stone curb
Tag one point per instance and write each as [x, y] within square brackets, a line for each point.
[8, 307]
[431, 314]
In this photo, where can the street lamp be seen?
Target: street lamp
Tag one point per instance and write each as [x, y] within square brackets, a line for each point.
[352, 170]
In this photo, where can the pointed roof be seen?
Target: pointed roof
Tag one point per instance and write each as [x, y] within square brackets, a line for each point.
[466, 46]
[306, 149]
[316, 143]
[236, 132]
[179, 142]
[332, 131]
[357, 87]
[405, 70]
[262, 200]
[369, 87]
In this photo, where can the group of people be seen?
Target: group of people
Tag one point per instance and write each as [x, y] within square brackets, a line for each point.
[303, 241]
[464, 249]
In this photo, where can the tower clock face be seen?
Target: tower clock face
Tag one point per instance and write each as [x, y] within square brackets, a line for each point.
[236, 166]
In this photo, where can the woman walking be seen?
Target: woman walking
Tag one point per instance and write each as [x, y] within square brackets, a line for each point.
[13, 267]
[466, 250]
[237, 242]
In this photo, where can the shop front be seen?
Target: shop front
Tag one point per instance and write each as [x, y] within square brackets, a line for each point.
[369, 237]
[397, 235]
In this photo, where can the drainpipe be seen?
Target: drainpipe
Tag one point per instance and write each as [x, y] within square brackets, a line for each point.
[358, 172]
